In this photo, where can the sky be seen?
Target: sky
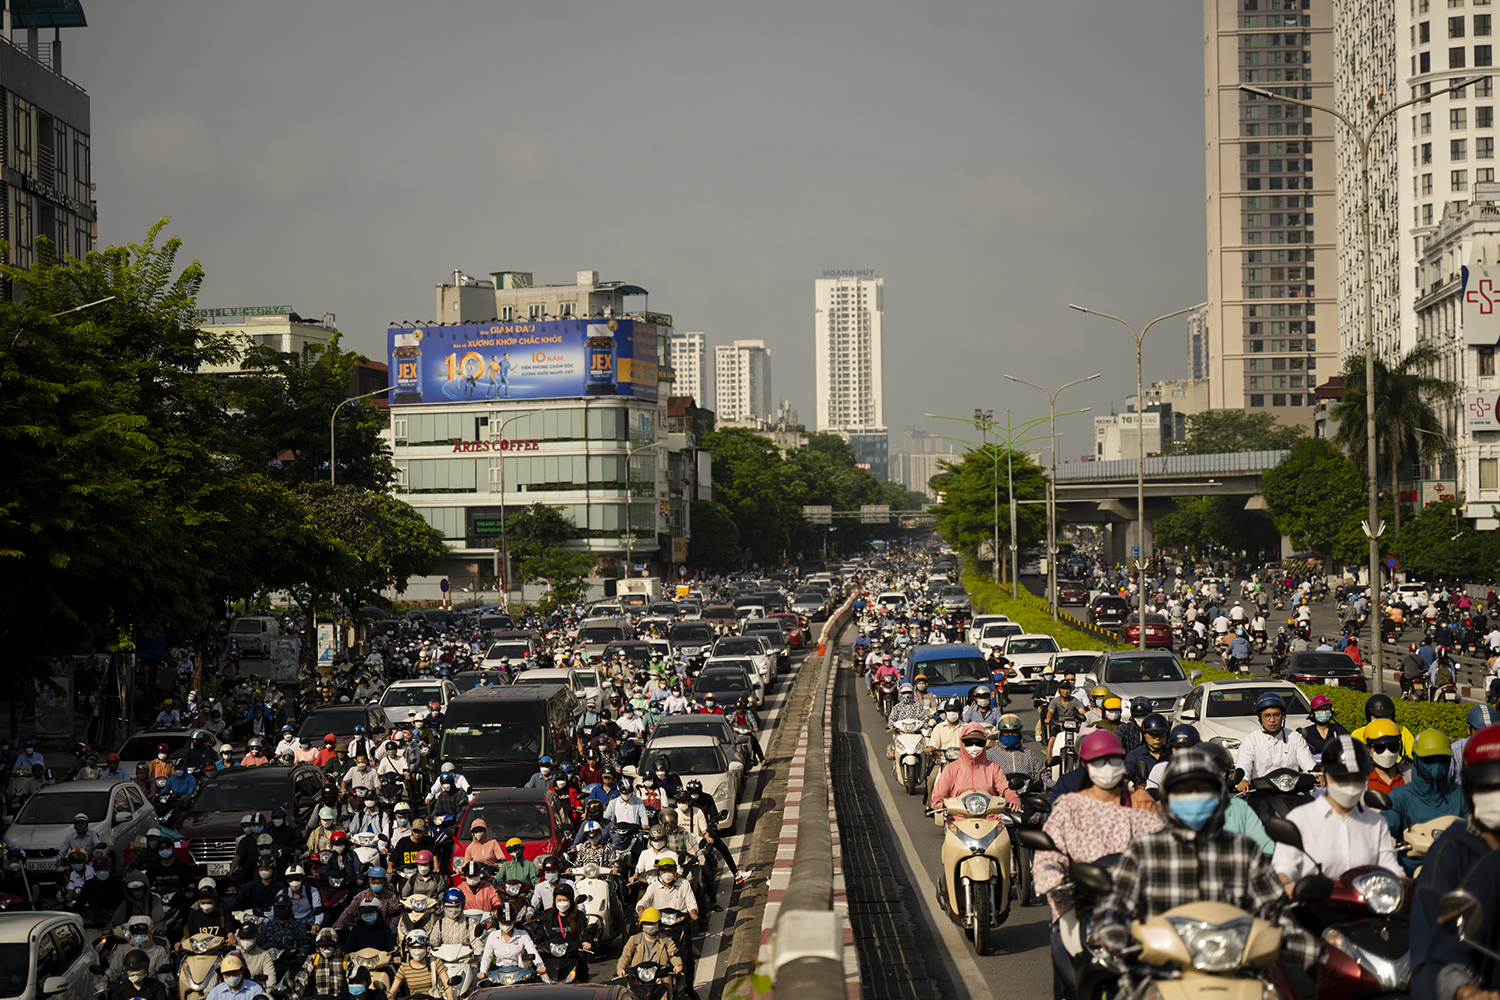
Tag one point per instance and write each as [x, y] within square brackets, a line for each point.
[993, 161]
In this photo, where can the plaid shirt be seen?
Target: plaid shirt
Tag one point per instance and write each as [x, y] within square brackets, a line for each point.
[1020, 761]
[325, 975]
[1174, 866]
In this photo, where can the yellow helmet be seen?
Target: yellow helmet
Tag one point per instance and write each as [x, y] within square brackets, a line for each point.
[650, 915]
[1381, 728]
[1099, 692]
[1112, 703]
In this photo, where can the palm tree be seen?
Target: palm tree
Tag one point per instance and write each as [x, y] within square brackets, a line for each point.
[1405, 423]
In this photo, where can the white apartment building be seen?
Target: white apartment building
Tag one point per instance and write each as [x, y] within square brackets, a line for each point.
[1269, 178]
[848, 308]
[742, 380]
[278, 327]
[688, 355]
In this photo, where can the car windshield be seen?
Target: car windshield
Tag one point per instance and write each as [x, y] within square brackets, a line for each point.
[632, 651]
[526, 819]
[1143, 670]
[957, 670]
[242, 790]
[999, 630]
[142, 746]
[334, 720]
[247, 625]
[1150, 619]
[1323, 661]
[1043, 644]
[955, 592]
[587, 678]
[1111, 604]
[15, 968]
[745, 646]
[1075, 661]
[696, 630]
[404, 696]
[601, 633]
[59, 809]
[722, 680]
[542, 677]
[691, 726]
[492, 741]
[692, 760]
[514, 650]
[1239, 702]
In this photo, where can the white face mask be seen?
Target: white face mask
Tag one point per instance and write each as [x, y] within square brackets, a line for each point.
[424, 869]
[974, 751]
[1346, 792]
[1487, 809]
[1385, 758]
[951, 716]
[1106, 774]
[564, 905]
[1112, 714]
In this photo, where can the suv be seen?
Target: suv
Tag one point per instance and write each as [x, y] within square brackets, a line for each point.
[596, 633]
[117, 812]
[1108, 611]
[46, 955]
[212, 823]
[1224, 711]
[404, 699]
[692, 639]
[954, 598]
[254, 634]
[774, 632]
[1152, 673]
[810, 603]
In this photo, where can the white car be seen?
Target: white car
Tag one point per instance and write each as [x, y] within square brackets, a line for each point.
[567, 676]
[976, 626]
[117, 812]
[1417, 592]
[404, 699]
[702, 759]
[1224, 711]
[751, 647]
[1029, 655]
[993, 635]
[890, 600]
[47, 955]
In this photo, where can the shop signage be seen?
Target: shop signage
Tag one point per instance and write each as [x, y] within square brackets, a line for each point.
[504, 444]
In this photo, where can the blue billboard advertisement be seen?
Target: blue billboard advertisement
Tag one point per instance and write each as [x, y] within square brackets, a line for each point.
[523, 360]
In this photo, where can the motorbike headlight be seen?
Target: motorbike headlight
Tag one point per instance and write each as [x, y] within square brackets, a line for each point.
[1389, 974]
[976, 803]
[1213, 947]
[200, 946]
[670, 919]
[508, 978]
[1285, 782]
[558, 950]
[646, 975]
[1383, 893]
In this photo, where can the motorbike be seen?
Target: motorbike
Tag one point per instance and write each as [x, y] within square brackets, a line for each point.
[1278, 793]
[418, 908]
[560, 955]
[1419, 837]
[1078, 969]
[974, 887]
[1414, 688]
[1066, 749]
[366, 847]
[380, 963]
[459, 960]
[1034, 813]
[652, 981]
[885, 694]
[508, 975]
[1258, 640]
[596, 896]
[199, 971]
[906, 754]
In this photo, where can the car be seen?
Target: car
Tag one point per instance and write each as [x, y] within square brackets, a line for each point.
[1153, 673]
[890, 600]
[637, 653]
[212, 822]
[467, 680]
[725, 689]
[701, 758]
[1029, 655]
[796, 632]
[1158, 631]
[142, 746]
[749, 612]
[664, 609]
[509, 649]
[254, 633]
[976, 625]
[1334, 669]
[495, 735]
[596, 633]
[1072, 592]
[117, 812]
[404, 699]
[993, 635]
[951, 668]
[588, 696]
[1224, 711]
[1108, 611]
[953, 598]
[755, 648]
[692, 639]
[1417, 592]
[660, 648]
[47, 955]
[536, 815]
[810, 603]
[340, 720]
[1085, 665]
[735, 744]
[774, 633]
[719, 614]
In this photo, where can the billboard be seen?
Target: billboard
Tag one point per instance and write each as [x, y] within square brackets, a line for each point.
[1480, 407]
[1479, 296]
[523, 360]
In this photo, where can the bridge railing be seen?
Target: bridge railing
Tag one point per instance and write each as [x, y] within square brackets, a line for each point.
[1227, 463]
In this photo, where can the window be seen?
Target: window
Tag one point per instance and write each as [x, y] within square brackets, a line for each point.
[1455, 27]
[1256, 346]
[1427, 185]
[1256, 364]
[1459, 180]
[1278, 399]
[1458, 118]
[1426, 156]
[1424, 123]
[1426, 215]
[1458, 149]
[1424, 62]
[1456, 57]
[1257, 382]
[1484, 148]
[1489, 473]
[1424, 32]
[1484, 55]
[1486, 361]
[536, 311]
[1484, 175]
[1481, 25]
[1257, 400]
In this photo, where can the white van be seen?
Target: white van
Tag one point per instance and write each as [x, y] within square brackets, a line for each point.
[254, 634]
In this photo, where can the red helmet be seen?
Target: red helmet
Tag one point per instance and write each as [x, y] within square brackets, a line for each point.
[424, 857]
[1100, 743]
[1482, 758]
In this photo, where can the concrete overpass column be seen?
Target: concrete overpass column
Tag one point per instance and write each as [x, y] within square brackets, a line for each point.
[1116, 549]
[1132, 540]
[1286, 546]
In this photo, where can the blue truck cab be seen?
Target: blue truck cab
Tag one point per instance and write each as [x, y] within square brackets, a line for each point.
[951, 668]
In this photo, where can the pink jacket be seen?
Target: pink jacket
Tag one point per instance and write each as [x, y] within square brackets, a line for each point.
[966, 775]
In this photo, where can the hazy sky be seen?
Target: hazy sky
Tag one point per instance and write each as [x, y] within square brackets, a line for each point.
[994, 161]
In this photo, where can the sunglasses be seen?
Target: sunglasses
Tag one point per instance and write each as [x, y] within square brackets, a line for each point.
[975, 743]
[1383, 746]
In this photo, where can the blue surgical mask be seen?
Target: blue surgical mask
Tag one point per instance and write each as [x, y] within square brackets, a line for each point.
[256, 829]
[552, 876]
[1010, 740]
[1322, 718]
[164, 852]
[355, 989]
[139, 938]
[368, 918]
[1194, 809]
[78, 868]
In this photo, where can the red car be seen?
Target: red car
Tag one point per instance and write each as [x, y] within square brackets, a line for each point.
[1073, 592]
[535, 815]
[796, 633]
[1158, 631]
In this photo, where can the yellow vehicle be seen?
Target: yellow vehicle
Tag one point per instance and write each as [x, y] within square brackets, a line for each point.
[974, 888]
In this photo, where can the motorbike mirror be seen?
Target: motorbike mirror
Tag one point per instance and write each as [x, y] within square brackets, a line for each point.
[1283, 831]
[1037, 840]
[1312, 888]
[456, 980]
[1376, 799]
[1054, 761]
[1237, 776]
[1141, 771]
[1459, 912]
[1037, 803]
[1091, 877]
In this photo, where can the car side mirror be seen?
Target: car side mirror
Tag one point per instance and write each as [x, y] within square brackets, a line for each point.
[735, 767]
[1188, 715]
[1283, 831]
[54, 984]
[123, 816]
[1194, 676]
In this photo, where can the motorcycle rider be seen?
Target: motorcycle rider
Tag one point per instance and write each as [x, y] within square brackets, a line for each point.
[369, 931]
[422, 974]
[1431, 793]
[981, 708]
[1321, 728]
[1061, 709]
[135, 981]
[1479, 717]
[1237, 651]
[1271, 747]
[650, 945]
[1338, 831]
[1129, 730]
[1013, 758]
[508, 944]
[543, 776]
[138, 936]
[972, 771]
[1153, 749]
[515, 866]
[322, 974]
[1384, 742]
[1192, 859]
[906, 707]
[450, 926]
[926, 700]
[1380, 706]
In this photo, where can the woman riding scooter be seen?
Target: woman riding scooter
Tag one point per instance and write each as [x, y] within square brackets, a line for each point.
[971, 772]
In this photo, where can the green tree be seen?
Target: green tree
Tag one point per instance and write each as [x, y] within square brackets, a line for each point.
[750, 479]
[1405, 423]
[537, 530]
[564, 571]
[1214, 432]
[1318, 500]
[1220, 520]
[715, 545]
[966, 516]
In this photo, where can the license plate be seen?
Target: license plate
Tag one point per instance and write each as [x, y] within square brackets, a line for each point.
[1333, 682]
[219, 867]
[41, 864]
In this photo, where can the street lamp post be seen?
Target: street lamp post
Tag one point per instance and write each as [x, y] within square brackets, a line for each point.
[1052, 485]
[982, 419]
[1140, 465]
[504, 575]
[332, 465]
[1373, 527]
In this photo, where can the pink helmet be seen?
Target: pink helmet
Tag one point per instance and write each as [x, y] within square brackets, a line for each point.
[1100, 743]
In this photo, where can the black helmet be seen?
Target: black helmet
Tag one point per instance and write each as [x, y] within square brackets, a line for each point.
[953, 705]
[507, 914]
[1380, 706]
[1220, 755]
[136, 960]
[1346, 757]
[1194, 762]
[1155, 723]
[1183, 736]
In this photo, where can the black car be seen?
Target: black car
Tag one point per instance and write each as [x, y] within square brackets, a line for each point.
[1108, 612]
[212, 822]
[1330, 668]
[340, 720]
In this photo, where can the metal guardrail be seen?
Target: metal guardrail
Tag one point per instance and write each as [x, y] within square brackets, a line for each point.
[1226, 463]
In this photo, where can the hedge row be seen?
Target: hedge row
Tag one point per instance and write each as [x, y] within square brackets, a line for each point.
[1348, 706]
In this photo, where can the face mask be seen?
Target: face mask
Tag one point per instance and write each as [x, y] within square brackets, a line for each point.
[294, 884]
[951, 716]
[377, 887]
[982, 702]
[161, 756]
[265, 874]
[561, 782]
[339, 848]
[1345, 793]
[667, 878]
[651, 929]
[247, 943]
[233, 982]
[921, 687]
[1487, 809]
[368, 918]
[1385, 758]
[1435, 772]
[164, 852]
[403, 821]
[14, 866]
[99, 873]
[327, 824]
[1010, 740]
[419, 954]
[77, 868]
[1112, 714]
[1322, 718]
[507, 928]
[564, 905]
[256, 829]
[655, 844]
[206, 907]
[356, 989]
[973, 752]
[136, 975]
[139, 938]
[369, 805]
[472, 882]
[1194, 809]
[278, 822]
[1106, 775]
[552, 876]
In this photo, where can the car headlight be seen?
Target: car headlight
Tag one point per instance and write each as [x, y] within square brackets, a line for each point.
[1227, 742]
[647, 975]
[722, 792]
[1213, 947]
[1383, 893]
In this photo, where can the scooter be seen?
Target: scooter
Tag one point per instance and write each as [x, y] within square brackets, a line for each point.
[1278, 793]
[906, 755]
[560, 955]
[366, 847]
[1078, 969]
[458, 959]
[1419, 837]
[652, 981]
[378, 962]
[974, 886]
[596, 896]
[199, 971]
[886, 694]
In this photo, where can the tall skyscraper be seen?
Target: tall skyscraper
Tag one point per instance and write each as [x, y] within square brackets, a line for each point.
[1197, 344]
[1270, 176]
[688, 355]
[848, 307]
[742, 380]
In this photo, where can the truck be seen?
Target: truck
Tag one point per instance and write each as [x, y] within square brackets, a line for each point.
[647, 586]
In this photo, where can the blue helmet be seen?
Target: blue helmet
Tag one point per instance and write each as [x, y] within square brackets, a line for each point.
[544, 760]
[592, 828]
[376, 873]
[1269, 700]
[453, 896]
[359, 729]
[1482, 717]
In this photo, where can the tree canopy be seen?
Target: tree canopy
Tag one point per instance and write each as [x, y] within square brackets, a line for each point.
[1318, 499]
[966, 516]
[1218, 431]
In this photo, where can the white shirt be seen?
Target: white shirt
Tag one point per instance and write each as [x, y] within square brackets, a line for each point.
[1237, 613]
[1261, 753]
[500, 952]
[288, 744]
[623, 810]
[631, 724]
[459, 782]
[1338, 843]
[1221, 624]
